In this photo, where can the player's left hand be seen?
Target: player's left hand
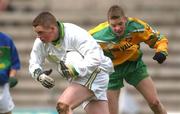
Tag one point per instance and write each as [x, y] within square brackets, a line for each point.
[159, 57]
[13, 82]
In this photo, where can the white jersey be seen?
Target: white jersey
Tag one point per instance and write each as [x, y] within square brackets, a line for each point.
[75, 39]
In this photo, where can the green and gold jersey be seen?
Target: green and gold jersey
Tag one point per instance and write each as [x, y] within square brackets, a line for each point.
[127, 46]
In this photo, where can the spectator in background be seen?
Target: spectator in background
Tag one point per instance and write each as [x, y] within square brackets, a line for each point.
[5, 5]
[9, 64]
[120, 38]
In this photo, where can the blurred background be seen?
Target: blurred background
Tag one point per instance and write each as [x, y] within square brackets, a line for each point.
[31, 98]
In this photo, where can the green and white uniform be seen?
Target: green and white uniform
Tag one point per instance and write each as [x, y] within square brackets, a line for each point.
[74, 38]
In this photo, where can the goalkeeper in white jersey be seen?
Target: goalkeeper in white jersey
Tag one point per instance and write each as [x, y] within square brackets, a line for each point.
[88, 78]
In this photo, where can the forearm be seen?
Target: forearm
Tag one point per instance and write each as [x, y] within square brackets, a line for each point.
[12, 78]
[162, 46]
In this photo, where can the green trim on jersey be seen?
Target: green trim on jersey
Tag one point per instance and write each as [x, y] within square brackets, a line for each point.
[61, 27]
[61, 34]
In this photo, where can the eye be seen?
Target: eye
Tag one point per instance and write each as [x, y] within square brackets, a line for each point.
[113, 25]
[120, 23]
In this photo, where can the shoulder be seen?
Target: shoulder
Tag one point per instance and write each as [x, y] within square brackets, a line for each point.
[100, 27]
[5, 39]
[5, 36]
[136, 25]
[102, 32]
[71, 26]
[72, 30]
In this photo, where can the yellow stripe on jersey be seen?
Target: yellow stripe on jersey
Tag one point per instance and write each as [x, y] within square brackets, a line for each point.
[99, 27]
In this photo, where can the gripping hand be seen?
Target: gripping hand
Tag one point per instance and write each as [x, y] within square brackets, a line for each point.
[160, 57]
[45, 80]
[12, 82]
[68, 72]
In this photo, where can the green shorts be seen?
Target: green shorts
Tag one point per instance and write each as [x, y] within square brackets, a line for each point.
[132, 71]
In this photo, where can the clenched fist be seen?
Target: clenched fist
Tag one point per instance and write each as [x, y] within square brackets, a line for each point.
[159, 57]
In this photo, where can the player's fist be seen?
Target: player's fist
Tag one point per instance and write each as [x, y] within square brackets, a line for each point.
[46, 80]
[159, 57]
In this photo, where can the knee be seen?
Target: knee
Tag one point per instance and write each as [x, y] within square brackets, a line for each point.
[154, 104]
[62, 108]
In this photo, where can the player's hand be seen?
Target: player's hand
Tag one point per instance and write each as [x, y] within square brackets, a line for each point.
[159, 57]
[46, 80]
[48, 72]
[13, 82]
[68, 72]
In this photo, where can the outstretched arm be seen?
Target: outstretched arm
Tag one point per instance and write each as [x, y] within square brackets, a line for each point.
[158, 42]
[36, 61]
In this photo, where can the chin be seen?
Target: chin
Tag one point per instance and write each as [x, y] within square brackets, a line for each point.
[118, 34]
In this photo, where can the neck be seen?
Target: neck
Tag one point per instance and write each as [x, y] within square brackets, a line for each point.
[58, 34]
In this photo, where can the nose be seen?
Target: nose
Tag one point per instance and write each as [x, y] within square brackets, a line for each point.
[117, 28]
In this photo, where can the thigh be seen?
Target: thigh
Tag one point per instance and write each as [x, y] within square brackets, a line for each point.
[113, 96]
[75, 94]
[147, 89]
[97, 82]
[139, 73]
[97, 107]
[115, 80]
[113, 101]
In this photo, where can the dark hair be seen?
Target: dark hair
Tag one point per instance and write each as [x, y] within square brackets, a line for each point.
[115, 12]
[44, 19]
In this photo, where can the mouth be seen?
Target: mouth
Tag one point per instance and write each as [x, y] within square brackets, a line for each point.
[120, 32]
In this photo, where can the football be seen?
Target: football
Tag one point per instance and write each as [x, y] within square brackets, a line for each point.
[73, 58]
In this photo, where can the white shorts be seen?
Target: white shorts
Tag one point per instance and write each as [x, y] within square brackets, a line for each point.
[97, 82]
[6, 103]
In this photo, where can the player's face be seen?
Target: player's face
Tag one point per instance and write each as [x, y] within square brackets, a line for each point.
[118, 25]
[46, 34]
